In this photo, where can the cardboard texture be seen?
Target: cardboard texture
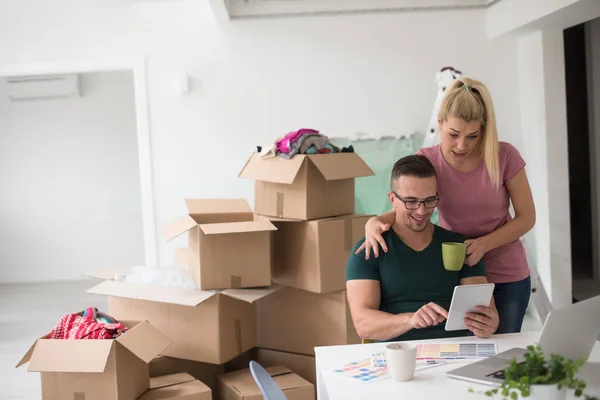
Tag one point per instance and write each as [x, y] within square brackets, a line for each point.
[297, 321]
[305, 187]
[312, 255]
[214, 228]
[177, 387]
[204, 372]
[301, 364]
[207, 326]
[240, 385]
[96, 369]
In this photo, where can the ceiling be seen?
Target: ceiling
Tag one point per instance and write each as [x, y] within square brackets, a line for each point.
[271, 8]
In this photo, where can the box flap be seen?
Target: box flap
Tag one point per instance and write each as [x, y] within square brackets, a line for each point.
[237, 227]
[27, 355]
[217, 206]
[274, 169]
[109, 273]
[278, 219]
[70, 355]
[251, 295]
[144, 341]
[244, 383]
[152, 293]
[287, 379]
[341, 166]
[170, 380]
[195, 390]
[178, 227]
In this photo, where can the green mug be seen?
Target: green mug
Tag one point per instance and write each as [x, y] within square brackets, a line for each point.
[454, 255]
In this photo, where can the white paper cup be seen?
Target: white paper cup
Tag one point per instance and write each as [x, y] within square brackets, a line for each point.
[401, 360]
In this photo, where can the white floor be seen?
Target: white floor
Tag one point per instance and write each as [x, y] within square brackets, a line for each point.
[28, 311]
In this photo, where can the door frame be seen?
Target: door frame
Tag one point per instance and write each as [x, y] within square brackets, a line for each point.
[138, 68]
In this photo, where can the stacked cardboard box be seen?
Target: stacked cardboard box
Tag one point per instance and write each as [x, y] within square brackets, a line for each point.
[191, 342]
[310, 199]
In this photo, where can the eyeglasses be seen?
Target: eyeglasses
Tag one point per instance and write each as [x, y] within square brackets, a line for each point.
[413, 204]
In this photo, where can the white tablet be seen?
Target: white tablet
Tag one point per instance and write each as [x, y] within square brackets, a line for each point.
[465, 299]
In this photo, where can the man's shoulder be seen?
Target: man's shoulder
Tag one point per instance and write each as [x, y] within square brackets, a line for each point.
[386, 236]
[448, 236]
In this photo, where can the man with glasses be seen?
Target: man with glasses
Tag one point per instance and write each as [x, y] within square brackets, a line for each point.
[405, 292]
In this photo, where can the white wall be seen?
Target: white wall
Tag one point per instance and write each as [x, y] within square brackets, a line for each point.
[70, 183]
[539, 27]
[254, 80]
[543, 120]
[592, 30]
[508, 15]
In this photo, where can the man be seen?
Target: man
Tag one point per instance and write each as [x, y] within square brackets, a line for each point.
[404, 293]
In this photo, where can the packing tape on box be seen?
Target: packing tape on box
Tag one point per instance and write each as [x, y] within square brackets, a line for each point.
[348, 244]
[238, 335]
[280, 204]
[236, 282]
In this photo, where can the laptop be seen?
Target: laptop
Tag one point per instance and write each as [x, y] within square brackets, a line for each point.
[571, 332]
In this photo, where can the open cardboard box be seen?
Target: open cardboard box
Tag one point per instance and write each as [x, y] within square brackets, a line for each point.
[180, 386]
[228, 247]
[301, 364]
[240, 385]
[305, 187]
[96, 369]
[204, 372]
[207, 326]
[312, 255]
[297, 321]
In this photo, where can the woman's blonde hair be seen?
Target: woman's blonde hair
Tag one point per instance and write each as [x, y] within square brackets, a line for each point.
[470, 100]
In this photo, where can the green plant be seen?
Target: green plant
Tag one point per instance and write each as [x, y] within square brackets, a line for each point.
[537, 370]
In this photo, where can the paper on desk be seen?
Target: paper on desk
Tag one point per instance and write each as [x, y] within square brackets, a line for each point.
[374, 368]
[455, 351]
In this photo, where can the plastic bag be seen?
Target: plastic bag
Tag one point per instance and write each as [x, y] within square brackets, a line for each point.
[174, 277]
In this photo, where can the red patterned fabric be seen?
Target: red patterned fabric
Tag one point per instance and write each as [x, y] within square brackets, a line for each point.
[78, 326]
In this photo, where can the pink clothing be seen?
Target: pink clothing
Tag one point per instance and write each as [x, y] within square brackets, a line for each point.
[470, 205]
[284, 145]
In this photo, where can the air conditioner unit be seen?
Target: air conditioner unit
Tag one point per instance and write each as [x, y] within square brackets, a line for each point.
[43, 87]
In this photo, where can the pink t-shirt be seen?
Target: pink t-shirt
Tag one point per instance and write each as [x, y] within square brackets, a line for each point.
[470, 205]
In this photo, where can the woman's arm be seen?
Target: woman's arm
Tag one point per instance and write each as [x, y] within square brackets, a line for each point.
[374, 227]
[524, 220]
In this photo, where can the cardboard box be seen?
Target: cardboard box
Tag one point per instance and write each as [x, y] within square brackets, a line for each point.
[204, 372]
[301, 364]
[312, 255]
[297, 321]
[305, 187]
[89, 369]
[177, 387]
[207, 326]
[240, 385]
[215, 228]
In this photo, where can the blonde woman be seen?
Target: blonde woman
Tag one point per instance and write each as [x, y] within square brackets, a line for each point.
[478, 178]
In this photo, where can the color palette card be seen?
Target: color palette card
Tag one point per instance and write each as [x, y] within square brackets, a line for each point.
[363, 370]
[374, 368]
[456, 351]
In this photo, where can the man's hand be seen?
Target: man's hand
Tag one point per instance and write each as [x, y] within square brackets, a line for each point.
[429, 315]
[483, 323]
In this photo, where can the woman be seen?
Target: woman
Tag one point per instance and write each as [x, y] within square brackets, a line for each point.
[478, 177]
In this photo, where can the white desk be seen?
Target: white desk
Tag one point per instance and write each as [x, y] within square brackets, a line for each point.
[431, 383]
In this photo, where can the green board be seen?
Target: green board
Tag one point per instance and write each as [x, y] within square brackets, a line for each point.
[371, 192]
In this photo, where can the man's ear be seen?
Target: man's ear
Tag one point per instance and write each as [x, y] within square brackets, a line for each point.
[391, 199]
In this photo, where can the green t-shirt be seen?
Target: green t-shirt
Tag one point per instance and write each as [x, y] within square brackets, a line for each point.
[410, 279]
